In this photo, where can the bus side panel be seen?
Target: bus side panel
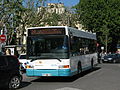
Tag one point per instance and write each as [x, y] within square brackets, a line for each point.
[95, 58]
[74, 63]
[85, 61]
[82, 59]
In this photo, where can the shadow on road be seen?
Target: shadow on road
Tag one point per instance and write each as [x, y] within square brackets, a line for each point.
[65, 79]
[24, 84]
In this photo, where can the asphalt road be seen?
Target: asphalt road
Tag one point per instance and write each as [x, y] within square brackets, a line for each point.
[103, 77]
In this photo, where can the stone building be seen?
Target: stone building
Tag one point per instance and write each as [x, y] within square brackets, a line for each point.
[58, 8]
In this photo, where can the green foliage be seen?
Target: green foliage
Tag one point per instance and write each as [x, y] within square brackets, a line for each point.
[16, 16]
[100, 16]
[52, 19]
[10, 15]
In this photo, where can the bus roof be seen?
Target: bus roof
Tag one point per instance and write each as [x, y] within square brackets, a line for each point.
[81, 33]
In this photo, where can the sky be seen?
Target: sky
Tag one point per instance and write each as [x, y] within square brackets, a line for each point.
[68, 3]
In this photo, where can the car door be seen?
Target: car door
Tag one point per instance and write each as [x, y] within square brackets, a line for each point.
[13, 65]
[3, 71]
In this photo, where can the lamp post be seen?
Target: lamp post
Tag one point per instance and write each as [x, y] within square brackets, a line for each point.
[106, 43]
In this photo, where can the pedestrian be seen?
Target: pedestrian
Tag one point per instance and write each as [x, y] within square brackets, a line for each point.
[8, 52]
[103, 54]
[99, 58]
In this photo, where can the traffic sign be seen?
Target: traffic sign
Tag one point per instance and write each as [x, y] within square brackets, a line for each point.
[2, 38]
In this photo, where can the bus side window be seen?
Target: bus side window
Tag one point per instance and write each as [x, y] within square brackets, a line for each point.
[81, 51]
[75, 46]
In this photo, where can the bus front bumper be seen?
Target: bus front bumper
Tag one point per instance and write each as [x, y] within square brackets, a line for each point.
[44, 72]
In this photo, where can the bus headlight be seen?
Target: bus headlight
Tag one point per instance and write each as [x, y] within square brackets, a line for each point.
[29, 66]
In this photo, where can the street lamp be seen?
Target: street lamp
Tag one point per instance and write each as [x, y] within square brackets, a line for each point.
[106, 42]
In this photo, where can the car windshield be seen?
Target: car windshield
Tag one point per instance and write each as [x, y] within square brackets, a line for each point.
[110, 55]
[47, 46]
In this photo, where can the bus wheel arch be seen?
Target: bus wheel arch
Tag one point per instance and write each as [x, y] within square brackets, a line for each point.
[92, 63]
[79, 68]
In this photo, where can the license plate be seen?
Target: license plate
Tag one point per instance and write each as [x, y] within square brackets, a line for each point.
[105, 60]
[46, 74]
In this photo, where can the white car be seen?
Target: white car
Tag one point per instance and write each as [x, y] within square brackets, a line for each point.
[24, 61]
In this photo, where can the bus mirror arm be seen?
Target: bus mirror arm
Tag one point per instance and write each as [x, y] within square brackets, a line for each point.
[33, 60]
[58, 59]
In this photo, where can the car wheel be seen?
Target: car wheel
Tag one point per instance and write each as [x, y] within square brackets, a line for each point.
[14, 82]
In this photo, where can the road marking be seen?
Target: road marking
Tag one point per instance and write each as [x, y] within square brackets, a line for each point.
[68, 88]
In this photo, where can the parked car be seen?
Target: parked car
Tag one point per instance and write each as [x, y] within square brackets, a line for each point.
[114, 58]
[24, 61]
[10, 76]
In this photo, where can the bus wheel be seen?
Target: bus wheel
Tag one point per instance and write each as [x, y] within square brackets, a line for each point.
[79, 68]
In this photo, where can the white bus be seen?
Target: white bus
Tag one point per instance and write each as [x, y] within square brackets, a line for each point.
[60, 51]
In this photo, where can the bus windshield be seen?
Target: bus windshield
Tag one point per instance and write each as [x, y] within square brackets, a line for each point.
[47, 47]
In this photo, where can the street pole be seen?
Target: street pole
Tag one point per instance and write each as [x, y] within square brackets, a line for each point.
[106, 38]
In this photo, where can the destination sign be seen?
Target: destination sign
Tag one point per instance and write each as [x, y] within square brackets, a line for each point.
[48, 31]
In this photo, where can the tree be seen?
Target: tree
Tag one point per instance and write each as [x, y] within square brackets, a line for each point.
[102, 17]
[10, 16]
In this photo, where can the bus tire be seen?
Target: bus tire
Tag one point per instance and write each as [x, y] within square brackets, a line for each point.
[79, 68]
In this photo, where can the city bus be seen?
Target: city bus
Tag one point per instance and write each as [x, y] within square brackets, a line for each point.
[59, 51]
